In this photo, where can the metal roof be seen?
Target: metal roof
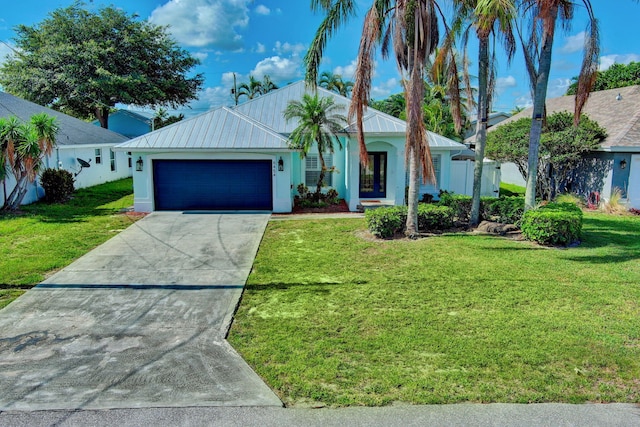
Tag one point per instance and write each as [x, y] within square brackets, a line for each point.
[221, 128]
[72, 131]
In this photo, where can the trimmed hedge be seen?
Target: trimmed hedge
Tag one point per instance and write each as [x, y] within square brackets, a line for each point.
[506, 210]
[387, 221]
[459, 203]
[57, 184]
[553, 224]
[434, 217]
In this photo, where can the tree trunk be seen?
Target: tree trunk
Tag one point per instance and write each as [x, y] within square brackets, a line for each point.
[411, 230]
[481, 128]
[102, 114]
[539, 101]
[321, 177]
[17, 194]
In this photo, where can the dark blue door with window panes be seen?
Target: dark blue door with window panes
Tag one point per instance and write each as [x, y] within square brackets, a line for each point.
[213, 184]
[373, 177]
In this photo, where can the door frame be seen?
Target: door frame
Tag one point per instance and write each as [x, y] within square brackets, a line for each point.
[379, 164]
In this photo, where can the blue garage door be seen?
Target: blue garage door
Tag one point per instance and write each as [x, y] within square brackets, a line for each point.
[212, 184]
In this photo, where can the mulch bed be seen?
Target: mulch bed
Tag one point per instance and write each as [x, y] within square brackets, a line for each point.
[337, 208]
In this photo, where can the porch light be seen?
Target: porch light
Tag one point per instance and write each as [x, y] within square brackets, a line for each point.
[280, 164]
[139, 164]
[623, 164]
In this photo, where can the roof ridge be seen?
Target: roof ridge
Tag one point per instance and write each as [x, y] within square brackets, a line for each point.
[626, 128]
[254, 122]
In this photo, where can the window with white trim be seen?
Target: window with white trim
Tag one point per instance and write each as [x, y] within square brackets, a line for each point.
[98, 153]
[431, 188]
[312, 170]
[112, 160]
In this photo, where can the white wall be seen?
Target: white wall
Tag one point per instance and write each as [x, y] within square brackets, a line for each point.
[633, 192]
[511, 174]
[462, 178]
[66, 157]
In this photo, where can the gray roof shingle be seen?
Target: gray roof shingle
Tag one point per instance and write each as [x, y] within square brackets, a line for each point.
[72, 131]
[621, 118]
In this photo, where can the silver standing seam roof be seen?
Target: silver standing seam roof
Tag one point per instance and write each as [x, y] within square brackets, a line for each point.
[260, 124]
[72, 131]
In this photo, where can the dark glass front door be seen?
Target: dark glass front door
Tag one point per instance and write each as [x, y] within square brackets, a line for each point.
[373, 178]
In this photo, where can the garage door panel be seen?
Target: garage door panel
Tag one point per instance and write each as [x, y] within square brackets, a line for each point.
[213, 185]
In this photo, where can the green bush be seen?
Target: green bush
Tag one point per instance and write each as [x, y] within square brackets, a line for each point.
[57, 184]
[460, 204]
[553, 224]
[434, 217]
[385, 222]
[506, 210]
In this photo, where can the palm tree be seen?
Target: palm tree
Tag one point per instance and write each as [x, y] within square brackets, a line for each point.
[267, 84]
[26, 145]
[410, 27]
[251, 90]
[538, 49]
[490, 18]
[335, 83]
[320, 120]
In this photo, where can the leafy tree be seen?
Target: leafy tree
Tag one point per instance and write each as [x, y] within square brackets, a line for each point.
[411, 29]
[562, 146]
[24, 145]
[162, 118]
[83, 63]
[618, 75]
[538, 47]
[320, 120]
[335, 83]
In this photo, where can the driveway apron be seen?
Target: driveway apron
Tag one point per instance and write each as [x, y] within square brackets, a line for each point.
[138, 322]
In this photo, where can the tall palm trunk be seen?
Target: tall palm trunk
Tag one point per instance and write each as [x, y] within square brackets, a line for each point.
[323, 168]
[540, 96]
[481, 129]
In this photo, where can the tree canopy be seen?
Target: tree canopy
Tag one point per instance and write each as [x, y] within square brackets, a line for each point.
[83, 63]
[562, 146]
[618, 75]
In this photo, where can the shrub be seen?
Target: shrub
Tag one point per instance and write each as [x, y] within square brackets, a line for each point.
[434, 217]
[570, 198]
[614, 204]
[459, 203]
[553, 224]
[385, 222]
[506, 210]
[57, 184]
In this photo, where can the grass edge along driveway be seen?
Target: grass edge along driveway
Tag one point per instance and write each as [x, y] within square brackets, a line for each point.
[331, 318]
[43, 238]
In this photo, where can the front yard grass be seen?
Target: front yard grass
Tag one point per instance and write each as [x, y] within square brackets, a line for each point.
[329, 317]
[43, 238]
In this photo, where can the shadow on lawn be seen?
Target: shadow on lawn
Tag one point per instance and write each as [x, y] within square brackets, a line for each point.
[614, 240]
[324, 287]
[86, 202]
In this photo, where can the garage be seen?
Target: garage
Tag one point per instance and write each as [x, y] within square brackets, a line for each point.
[213, 184]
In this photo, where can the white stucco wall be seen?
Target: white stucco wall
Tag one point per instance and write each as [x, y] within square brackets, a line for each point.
[143, 181]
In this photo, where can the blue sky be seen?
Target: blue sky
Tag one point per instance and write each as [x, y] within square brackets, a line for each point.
[271, 37]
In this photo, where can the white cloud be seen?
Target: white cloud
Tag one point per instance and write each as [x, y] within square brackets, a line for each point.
[504, 83]
[573, 44]
[284, 48]
[558, 87]
[281, 70]
[204, 22]
[200, 55]
[608, 60]
[262, 10]
[4, 51]
[384, 89]
[347, 72]
[260, 48]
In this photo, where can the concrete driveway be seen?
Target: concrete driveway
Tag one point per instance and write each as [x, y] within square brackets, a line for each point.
[138, 322]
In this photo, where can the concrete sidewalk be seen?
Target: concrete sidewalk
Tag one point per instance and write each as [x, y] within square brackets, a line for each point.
[138, 322]
[534, 415]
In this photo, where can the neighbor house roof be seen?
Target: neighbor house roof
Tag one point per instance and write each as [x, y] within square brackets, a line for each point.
[72, 131]
[221, 128]
[620, 117]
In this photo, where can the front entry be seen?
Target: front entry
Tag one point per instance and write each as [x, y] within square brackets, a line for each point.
[373, 178]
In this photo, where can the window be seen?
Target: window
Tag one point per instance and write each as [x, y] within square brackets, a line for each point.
[312, 170]
[431, 188]
[129, 161]
[112, 160]
[98, 156]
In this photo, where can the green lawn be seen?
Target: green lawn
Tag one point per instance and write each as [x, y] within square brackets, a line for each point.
[44, 238]
[331, 317]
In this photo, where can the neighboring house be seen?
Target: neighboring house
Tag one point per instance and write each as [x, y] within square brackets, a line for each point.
[128, 123]
[617, 163]
[75, 140]
[494, 118]
[239, 159]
